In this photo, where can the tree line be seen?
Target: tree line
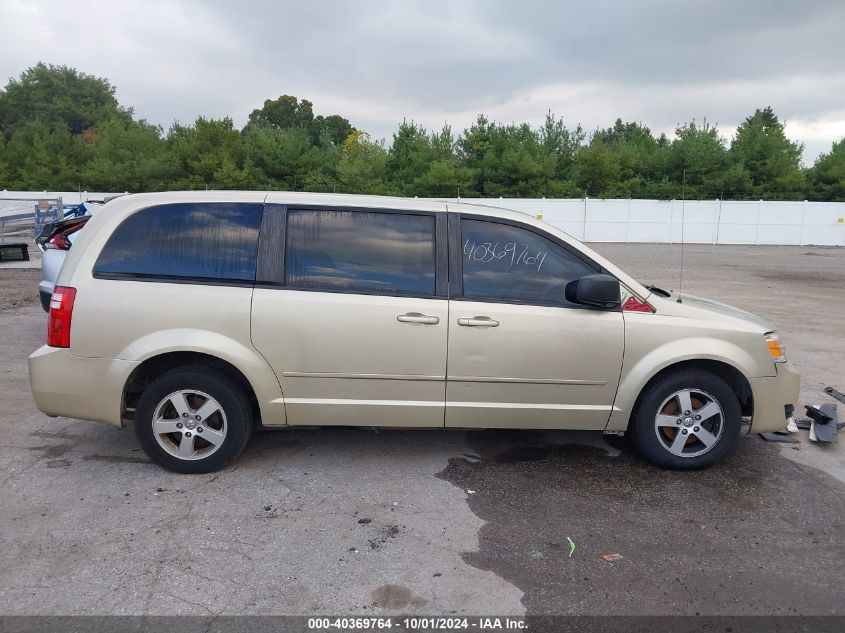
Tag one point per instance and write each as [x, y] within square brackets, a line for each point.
[62, 129]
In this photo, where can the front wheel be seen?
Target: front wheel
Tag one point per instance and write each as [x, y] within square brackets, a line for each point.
[193, 420]
[686, 420]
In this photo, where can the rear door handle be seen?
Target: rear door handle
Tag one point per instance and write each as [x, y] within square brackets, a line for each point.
[416, 317]
[478, 321]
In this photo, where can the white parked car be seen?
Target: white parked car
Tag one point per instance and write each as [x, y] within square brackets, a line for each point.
[54, 242]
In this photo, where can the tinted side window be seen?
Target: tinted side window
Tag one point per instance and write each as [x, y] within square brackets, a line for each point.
[201, 241]
[391, 253]
[512, 264]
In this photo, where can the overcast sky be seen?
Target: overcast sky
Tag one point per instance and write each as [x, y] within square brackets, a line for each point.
[376, 62]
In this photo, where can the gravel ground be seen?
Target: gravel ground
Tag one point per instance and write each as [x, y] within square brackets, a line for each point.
[16, 288]
[436, 522]
[18, 279]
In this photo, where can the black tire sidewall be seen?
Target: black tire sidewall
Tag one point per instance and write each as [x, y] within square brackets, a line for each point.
[643, 433]
[231, 398]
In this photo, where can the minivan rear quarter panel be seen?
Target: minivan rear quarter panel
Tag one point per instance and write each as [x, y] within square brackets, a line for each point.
[137, 319]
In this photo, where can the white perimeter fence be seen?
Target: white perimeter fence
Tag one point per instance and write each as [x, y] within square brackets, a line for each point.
[620, 220]
[699, 221]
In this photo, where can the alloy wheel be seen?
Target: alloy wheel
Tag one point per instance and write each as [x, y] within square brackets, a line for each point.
[689, 423]
[189, 424]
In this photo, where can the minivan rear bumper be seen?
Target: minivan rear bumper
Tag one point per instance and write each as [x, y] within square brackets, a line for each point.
[771, 395]
[77, 387]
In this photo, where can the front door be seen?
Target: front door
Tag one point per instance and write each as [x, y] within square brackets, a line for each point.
[355, 328]
[520, 355]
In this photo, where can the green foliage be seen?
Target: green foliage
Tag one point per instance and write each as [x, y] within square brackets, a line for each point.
[334, 126]
[5, 168]
[410, 155]
[561, 143]
[596, 169]
[514, 160]
[287, 159]
[210, 154]
[62, 129]
[41, 158]
[698, 156]
[827, 177]
[423, 164]
[284, 113]
[619, 161]
[58, 97]
[128, 156]
[363, 166]
[288, 113]
[771, 160]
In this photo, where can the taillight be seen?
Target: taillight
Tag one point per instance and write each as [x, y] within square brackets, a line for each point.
[61, 311]
[635, 305]
[60, 240]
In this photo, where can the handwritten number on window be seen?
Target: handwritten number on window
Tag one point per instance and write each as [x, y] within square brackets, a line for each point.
[513, 254]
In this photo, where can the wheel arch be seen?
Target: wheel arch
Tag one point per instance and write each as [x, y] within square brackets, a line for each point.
[735, 379]
[732, 375]
[158, 364]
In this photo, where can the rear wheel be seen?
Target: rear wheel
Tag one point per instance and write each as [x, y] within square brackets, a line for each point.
[193, 420]
[685, 420]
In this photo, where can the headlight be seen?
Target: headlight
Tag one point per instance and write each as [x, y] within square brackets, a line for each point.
[776, 348]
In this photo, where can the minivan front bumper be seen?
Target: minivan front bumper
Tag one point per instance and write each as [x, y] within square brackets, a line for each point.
[77, 387]
[771, 395]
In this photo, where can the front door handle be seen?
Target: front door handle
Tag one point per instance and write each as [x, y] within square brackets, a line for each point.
[416, 317]
[478, 321]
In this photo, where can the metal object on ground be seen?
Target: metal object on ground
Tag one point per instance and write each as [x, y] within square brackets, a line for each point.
[18, 252]
[778, 437]
[823, 413]
[833, 393]
[824, 422]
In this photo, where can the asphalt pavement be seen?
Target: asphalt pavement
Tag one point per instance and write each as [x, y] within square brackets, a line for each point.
[436, 522]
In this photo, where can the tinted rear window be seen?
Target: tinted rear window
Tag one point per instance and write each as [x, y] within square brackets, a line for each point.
[201, 241]
[389, 253]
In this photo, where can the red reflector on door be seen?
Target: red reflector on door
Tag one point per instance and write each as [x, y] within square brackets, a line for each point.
[635, 305]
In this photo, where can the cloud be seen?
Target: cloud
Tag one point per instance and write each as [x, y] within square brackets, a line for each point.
[660, 62]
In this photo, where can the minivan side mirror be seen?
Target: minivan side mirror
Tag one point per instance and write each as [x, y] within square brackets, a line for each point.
[601, 291]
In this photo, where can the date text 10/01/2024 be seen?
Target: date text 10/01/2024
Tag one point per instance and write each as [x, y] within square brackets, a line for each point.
[420, 623]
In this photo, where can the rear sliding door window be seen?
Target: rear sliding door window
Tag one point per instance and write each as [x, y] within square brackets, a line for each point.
[359, 251]
[214, 241]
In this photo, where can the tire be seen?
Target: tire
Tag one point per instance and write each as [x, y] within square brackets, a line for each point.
[193, 420]
[712, 425]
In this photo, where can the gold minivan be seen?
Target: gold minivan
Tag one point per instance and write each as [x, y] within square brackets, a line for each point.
[197, 316]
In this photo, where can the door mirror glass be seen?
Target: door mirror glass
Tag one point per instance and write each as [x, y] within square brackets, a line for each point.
[601, 291]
